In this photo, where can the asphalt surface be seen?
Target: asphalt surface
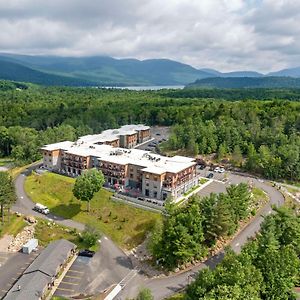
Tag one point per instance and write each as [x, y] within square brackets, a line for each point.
[158, 134]
[165, 287]
[111, 264]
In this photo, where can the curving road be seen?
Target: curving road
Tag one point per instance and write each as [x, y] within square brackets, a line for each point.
[109, 266]
[162, 288]
[115, 263]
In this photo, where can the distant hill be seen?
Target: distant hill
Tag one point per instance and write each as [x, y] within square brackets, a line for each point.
[246, 82]
[293, 72]
[216, 73]
[17, 72]
[108, 71]
[99, 70]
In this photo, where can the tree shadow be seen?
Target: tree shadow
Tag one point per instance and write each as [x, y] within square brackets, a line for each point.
[124, 262]
[66, 211]
[145, 225]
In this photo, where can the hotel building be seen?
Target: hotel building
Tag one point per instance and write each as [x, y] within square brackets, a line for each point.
[135, 171]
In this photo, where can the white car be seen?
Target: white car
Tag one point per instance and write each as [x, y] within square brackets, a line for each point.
[217, 169]
[221, 170]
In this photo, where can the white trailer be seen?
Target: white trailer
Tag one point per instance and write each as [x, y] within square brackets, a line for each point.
[30, 245]
[41, 208]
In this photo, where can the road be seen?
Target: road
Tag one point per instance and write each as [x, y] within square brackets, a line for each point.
[109, 266]
[162, 288]
[116, 264]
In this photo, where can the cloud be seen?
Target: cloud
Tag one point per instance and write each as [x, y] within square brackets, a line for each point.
[224, 34]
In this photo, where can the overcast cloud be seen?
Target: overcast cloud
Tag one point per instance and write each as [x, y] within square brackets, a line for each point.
[262, 35]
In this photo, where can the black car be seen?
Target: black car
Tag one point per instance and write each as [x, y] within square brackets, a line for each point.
[210, 175]
[86, 253]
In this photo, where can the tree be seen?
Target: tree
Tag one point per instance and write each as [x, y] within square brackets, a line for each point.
[222, 151]
[145, 294]
[90, 235]
[87, 184]
[7, 192]
[237, 156]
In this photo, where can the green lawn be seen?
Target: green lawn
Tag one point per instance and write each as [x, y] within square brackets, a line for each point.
[15, 225]
[47, 232]
[124, 224]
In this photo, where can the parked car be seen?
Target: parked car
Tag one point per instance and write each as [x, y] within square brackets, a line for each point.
[158, 133]
[221, 170]
[210, 175]
[217, 169]
[86, 253]
[202, 167]
[41, 209]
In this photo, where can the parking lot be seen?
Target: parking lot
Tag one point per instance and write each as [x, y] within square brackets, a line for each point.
[158, 135]
[72, 282]
[12, 267]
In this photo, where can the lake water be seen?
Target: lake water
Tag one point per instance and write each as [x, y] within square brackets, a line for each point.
[145, 88]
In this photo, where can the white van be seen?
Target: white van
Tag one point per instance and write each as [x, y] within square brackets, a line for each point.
[41, 208]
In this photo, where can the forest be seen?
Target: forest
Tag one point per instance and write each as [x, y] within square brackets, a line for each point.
[267, 268]
[260, 136]
[189, 231]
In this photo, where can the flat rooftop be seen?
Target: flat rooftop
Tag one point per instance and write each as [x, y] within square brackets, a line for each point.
[113, 134]
[152, 163]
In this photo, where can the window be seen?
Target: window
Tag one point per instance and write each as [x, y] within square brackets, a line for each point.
[147, 183]
[131, 175]
[155, 186]
[155, 178]
[147, 193]
[147, 176]
[155, 194]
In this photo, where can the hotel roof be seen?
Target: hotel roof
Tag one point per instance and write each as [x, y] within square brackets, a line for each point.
[62, 145]
[152, 163]
[113, 134]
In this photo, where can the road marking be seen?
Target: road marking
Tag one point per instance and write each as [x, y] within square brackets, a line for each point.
[105, 238]
[69, 290]
[22, 197]
[73, 277]
[65, 282]
[237, 244]
[19, 273]
[14, 279]
[76, 271]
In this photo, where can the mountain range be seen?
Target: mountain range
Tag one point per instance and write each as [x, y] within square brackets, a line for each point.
[108, 71]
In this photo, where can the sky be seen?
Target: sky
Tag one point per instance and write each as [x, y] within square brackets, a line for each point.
[260, 35]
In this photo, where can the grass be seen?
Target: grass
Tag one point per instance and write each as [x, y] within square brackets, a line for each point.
[176, 297]
[126, 225]
[191, 190]
[14, 172]
[259, 194]
[203, 180]
[47, 232]
[5, 161]
[15, 225]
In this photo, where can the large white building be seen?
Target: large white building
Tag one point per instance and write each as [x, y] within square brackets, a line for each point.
[131, 170]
